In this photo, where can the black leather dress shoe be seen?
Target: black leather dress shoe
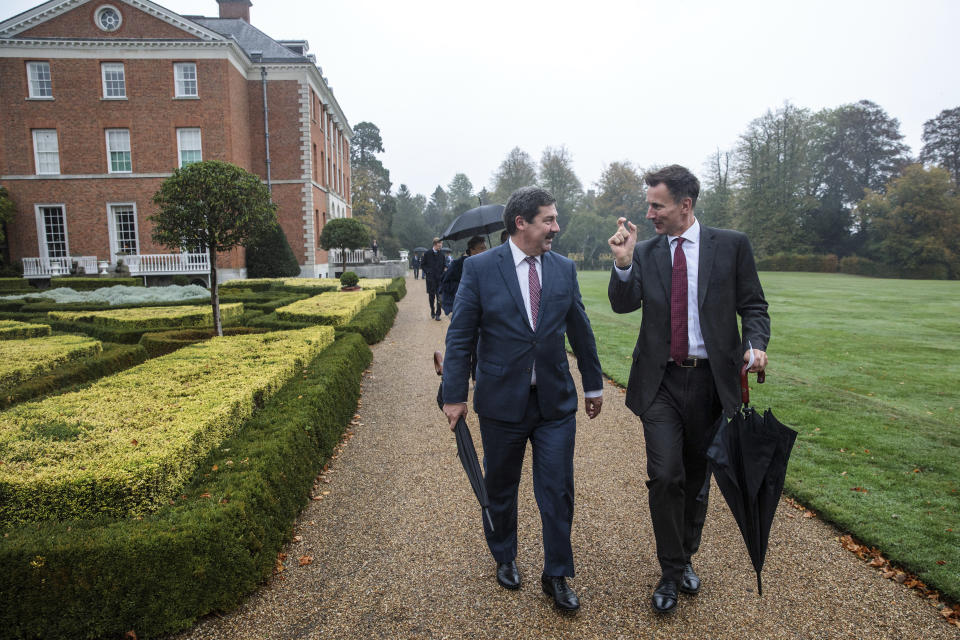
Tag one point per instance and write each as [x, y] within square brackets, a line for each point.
[665, 596]
[507, 575]
[690, 582]
[563, 596]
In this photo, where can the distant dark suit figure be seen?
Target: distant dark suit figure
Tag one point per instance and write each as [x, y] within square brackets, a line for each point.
[415, 263]
[519, 302]
[433, 264]
[692, 282]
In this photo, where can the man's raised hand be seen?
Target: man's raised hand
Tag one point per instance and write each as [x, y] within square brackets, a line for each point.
[622, 242]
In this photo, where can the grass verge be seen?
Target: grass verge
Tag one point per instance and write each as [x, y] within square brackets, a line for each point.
[866, 370]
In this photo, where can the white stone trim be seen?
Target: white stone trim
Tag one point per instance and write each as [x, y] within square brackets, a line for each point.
[44, 12]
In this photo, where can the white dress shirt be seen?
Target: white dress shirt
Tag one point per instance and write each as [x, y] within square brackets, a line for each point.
[523, 276]
[691, 251]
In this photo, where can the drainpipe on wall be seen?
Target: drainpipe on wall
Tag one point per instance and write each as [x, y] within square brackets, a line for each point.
[266, 124]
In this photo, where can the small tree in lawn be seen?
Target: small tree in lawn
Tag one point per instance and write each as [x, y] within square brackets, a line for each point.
[343, 234]
[215, 204]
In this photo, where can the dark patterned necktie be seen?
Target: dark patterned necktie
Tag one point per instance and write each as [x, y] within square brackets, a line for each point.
[679, 345]
[534, 281]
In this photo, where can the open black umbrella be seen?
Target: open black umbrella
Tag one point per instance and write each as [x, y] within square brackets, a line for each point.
[481, 220]
[748, 457]
[419, 249]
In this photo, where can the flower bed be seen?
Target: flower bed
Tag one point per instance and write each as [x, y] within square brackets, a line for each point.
[125, 444]
[14, 330]
[23, 359]
[152, 317]
[334, 308]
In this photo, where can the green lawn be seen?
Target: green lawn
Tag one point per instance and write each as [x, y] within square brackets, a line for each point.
[868, 372]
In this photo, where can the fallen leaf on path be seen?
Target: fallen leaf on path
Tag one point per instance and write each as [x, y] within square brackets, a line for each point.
[305, 560]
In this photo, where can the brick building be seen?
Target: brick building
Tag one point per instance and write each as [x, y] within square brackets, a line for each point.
[101, 99]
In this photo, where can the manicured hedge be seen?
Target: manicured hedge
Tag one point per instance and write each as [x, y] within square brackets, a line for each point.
[312, 286]
[16, 330]
[153, 317]
[123, 445]
[163, 342]
[333, 308]
[203, 553]
[36, 305]
[816, 263]
[89, 284]
[397, 287]
[14, 285]
[263, 300]
[375, 320]
[271, 321]
[24, 359]
[114, 358]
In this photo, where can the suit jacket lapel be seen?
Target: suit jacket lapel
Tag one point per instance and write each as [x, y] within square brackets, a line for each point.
[664, 265]
[508, 271]
[708, 248]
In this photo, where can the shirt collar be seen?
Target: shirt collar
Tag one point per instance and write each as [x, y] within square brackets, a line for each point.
[518, 254]
[691, 235]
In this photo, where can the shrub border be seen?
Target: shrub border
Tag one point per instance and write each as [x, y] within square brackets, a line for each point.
[114, 358]
[158, 574]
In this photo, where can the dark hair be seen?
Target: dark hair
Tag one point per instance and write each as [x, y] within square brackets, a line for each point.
[680, 182]
[504, 235]
[525, 202]
[474, 242]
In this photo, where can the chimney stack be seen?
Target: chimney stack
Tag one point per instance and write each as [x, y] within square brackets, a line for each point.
[235, 9]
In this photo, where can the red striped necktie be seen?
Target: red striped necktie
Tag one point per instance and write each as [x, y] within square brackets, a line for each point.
[534, 281]
[679, 343]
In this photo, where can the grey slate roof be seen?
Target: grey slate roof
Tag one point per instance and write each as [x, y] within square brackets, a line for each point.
[249, 38]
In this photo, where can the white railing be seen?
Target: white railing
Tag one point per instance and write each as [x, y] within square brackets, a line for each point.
[53, 267]
[142, 264]
[354, 256]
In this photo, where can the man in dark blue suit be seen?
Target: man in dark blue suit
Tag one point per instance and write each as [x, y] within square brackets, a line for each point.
[518, 303]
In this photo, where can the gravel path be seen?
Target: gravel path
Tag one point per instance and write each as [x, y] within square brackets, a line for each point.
[399, 553]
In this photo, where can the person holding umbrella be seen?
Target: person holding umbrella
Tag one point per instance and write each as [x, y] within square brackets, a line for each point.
[522, 301]
[451, 279]
[433, 264]
[692, 282]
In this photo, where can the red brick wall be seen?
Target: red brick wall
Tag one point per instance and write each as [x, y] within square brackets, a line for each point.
[79, 23]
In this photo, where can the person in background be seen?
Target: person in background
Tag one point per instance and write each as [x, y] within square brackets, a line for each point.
[433, 265]
[451, 278]
[415, 263]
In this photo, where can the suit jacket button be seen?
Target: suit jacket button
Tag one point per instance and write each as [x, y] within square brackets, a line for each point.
[526, 370]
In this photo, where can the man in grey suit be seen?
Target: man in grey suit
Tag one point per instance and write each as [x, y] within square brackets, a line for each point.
[518, 303]
[693, 282]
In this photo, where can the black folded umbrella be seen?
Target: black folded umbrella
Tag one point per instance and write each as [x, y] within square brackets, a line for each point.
[748, 457]
[481, 220]
[468, 458]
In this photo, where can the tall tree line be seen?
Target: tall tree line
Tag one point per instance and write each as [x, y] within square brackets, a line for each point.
[835, 181]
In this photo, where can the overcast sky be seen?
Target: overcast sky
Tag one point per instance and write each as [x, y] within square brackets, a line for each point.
[453, 86]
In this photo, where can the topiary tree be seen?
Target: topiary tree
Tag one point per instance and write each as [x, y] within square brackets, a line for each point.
[270, 256]
[349, 279]
[343, 234]
[215, 204]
